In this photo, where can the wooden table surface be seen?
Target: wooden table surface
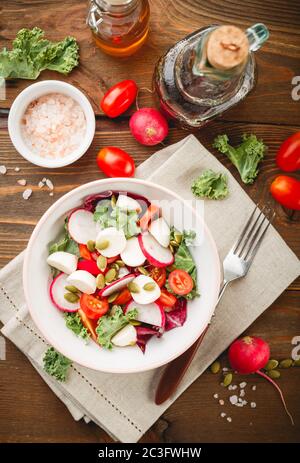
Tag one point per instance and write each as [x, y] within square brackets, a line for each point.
[29, 411]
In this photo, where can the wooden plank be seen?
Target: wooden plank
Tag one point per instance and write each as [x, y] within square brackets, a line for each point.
[271, 101]
[194, 417]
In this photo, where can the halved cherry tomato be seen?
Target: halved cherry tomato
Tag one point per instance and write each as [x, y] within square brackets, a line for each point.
[123, 297]
[166, 299]
[159, 275]
[288, 155]
[89, 266]
[89, 324]
[151, 213]
[180, 282]
[115, 162]
[94, 306]
[286, 190]
[119, 98]
[84, 252]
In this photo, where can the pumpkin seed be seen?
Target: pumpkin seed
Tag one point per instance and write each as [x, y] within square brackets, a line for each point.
[100, 281]
[143, 271]
[178, 237]
[71, 289]
[115, 266]
[286, 363]
[171, 248]
[215, 367]
[134, 323]
[271, 365]
[120, 263]
[170, 268]
[71, 297]
[174, 243]
[101, 263]
[133, 287]
[296, 363]
[113, 201]
[227, 379]
[113, 297]
[274, 374]
[149, 286]
[91, 245]
[101, 245]
[110, 275]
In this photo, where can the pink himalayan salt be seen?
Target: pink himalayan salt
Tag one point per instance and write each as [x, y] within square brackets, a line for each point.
[53, 125]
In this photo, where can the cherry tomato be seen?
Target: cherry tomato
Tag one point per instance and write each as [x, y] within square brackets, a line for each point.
[84, 252]
[89, 324]
[119, 98]
[89, 266]
[159, 275]
[167, 299]
[93, 306]
[286, 190]
[123, 297]
[180, 282]
[115, 162]
[288, 155]
[151, 213]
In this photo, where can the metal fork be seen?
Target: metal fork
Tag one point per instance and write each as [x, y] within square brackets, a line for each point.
[235, 265]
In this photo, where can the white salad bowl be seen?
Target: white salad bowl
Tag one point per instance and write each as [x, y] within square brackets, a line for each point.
[30, 94]
[159, 351]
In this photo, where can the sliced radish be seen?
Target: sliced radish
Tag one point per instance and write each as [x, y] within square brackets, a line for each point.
[152, 314]
[160, 230]
[132, 254]
[83, 280]
[123, 271]
[63, 261]
[116, 241]
[128, 204]
[81, 226]
[156, 254]
[144, 296]
[125, 337]
[117, 285]
[57, 292]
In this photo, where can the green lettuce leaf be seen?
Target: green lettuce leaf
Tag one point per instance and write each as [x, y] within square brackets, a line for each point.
[74, 323]
[106, 216]
[109, 325]
[31, 54]
[210, 185]
[56, 364]
[245, 157]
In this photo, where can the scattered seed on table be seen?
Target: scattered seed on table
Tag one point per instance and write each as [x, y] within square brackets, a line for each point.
[253, 404]
[49, 184]
[229, 419]
[27, 193]
[216, 396]
[221, 402]
[253, 388]
[17, 169]
[233, 399]
[215, 367]
[22, 181]
[242, 393]
[234, 387]
[243, 385]
[223, 414]
[3, 170]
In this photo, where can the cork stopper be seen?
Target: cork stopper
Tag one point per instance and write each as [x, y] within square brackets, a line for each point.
[227, 47]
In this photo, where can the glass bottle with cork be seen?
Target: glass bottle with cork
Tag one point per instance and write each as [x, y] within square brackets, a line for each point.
[208, 72]
[119, 27]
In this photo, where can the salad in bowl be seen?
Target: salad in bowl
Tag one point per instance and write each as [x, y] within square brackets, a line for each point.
[121, 273]
[115, 277]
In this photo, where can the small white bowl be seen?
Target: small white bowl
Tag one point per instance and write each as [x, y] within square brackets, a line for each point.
[30, 94]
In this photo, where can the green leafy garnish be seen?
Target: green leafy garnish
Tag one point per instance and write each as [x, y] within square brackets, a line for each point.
[245, 156]
[109, 325]
[56, 364]
[74, 323]
[31, 54]
[107, 216]
[210, 185]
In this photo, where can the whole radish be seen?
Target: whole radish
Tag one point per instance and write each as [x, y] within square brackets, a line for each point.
[248, 355]
[148, 126]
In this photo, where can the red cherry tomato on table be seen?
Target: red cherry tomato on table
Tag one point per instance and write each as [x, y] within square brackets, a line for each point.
[288, 155]
[159, 275]
[93, 306]
[119, 98]
[286, 190]
[180, 282]
[115, 162]
[166, 299]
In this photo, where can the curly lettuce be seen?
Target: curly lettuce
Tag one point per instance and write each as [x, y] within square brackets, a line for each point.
[109, 325]
[210, 185]
[74, 323]
[107, 216]
[56, 364]
[245, 157]
[31, 54]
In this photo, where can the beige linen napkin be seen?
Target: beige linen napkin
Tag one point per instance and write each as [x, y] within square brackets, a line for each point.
[108, 399]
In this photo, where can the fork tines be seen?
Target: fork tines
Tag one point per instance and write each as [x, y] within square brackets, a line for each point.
[252, 234]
